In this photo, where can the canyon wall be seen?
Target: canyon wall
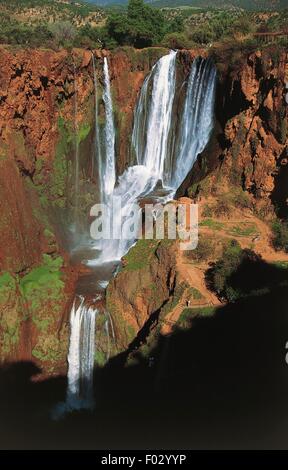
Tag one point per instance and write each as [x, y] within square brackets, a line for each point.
[249, 145]
[46, 111]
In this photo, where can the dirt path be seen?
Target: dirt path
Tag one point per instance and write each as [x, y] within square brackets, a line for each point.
[194, 274]
[195, 277]
[172, 317]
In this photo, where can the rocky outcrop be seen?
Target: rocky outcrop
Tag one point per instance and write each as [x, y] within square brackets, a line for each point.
[249, 143]
[252, 124]
[141, 288]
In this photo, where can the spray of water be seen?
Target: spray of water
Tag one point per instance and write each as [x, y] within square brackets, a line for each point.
[157, 159]
[81, 355]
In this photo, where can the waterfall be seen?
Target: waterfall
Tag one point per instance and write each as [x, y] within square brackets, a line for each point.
[105, 163]
[153, 120]
[140, 180]
[82, 318]
[156, 121]
[109, 172]
[151, 138]
[98, 149]
[81, 355]
[197, 120]
[158, 157]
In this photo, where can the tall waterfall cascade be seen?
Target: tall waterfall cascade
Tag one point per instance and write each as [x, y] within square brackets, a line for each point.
[109, 171]
[157, 159]
[154, 120]
[81, 355]
[157, 118]
[82, 318]
[162, 154]
[98, 148]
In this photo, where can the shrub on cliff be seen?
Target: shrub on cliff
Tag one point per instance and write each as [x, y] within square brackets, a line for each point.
[280, 235]
[14, 32]
[63, 33]
[223, 278]
[94, 37]
[142, 26]
[204, 250]
[177, 41]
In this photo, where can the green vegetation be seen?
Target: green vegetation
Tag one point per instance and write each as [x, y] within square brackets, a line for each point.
[83, 132]
[195, 293]
[55, 24]
[281, 264]
[213, 224]
[10, 332]
[141, 26]
[100, 358]
[46, 23]
[225, 205]
[280, 235]
[246, 229]
[225, 268]
[47, 349]
[7, 285]
[139, 256]
[38, 295]
[177, 295]
[241, 199]
[9, 324]
[43, 284]
[188, 314]
[196, 312]
[204, 251]
[55, 190]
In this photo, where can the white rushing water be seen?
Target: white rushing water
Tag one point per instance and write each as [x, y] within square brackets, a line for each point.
[82, 318]
[157, 159]
[158, 116]
[197, 120]
[141, 179]
[109, 173]
[81, 355]
[98, 149]
[160, 155]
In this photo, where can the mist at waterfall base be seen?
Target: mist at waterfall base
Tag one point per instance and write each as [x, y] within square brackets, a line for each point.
[163, 157]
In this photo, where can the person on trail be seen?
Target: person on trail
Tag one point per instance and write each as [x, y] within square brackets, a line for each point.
[151, 361]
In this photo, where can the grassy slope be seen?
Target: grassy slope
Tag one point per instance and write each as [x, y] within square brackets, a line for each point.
[245, 4]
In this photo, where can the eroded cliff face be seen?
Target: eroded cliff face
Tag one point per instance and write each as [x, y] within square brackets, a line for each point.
[257, 134]
[248, 151]
[250, 138]
[46, 109]
[139, 291]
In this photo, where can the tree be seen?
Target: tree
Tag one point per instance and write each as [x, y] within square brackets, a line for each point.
[142, 26]
[177, 41]
[118, 28]
[280, 235]
[63, 32]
